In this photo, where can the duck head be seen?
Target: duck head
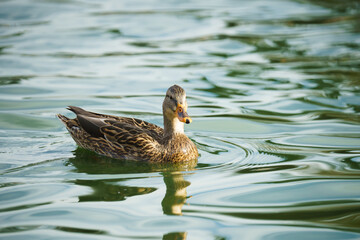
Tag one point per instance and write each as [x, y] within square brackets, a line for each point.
[175, 110]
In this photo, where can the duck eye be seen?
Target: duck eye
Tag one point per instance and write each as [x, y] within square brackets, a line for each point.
[171, 97]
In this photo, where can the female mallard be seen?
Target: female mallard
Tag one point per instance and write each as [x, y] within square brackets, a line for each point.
[131, 138]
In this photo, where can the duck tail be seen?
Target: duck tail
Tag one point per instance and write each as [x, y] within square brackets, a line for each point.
[63, 118]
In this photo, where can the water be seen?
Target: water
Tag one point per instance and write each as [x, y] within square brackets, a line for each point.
[273, 90]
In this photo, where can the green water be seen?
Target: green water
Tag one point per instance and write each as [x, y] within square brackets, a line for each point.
[273, 91]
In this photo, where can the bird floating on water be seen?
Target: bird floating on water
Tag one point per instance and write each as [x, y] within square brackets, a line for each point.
[131, 138]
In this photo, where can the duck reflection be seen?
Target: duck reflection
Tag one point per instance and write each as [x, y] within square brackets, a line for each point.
[110, 189]
[175, 195]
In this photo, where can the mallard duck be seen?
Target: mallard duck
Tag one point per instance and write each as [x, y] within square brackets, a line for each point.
[131, 138]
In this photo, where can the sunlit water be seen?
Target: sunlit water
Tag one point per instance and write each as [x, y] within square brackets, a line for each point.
[273, 89]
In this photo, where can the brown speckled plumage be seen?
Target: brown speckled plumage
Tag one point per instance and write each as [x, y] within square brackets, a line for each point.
[131, 138]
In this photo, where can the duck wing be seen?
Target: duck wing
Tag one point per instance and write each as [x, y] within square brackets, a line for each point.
[93, 122]
[116, 137]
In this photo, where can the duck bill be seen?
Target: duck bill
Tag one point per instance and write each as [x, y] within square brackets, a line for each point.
[182, 115]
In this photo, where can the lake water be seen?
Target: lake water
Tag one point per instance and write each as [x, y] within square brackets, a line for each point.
[273, 89]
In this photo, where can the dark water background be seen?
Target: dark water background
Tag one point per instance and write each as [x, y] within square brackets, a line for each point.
[273, 89]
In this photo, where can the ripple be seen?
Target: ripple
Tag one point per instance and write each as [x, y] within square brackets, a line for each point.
[304, 194]
[5, 80]
[272, 232]
[322, 141]
[16, 121]
[23, 196]
[86, 218]
[220, 152]
[311, 201]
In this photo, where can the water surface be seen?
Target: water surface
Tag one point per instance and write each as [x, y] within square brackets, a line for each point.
[273, 90]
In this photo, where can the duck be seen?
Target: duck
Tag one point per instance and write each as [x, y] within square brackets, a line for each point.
[134, 139]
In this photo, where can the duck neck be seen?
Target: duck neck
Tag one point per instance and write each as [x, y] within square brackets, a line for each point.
[172, 127]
